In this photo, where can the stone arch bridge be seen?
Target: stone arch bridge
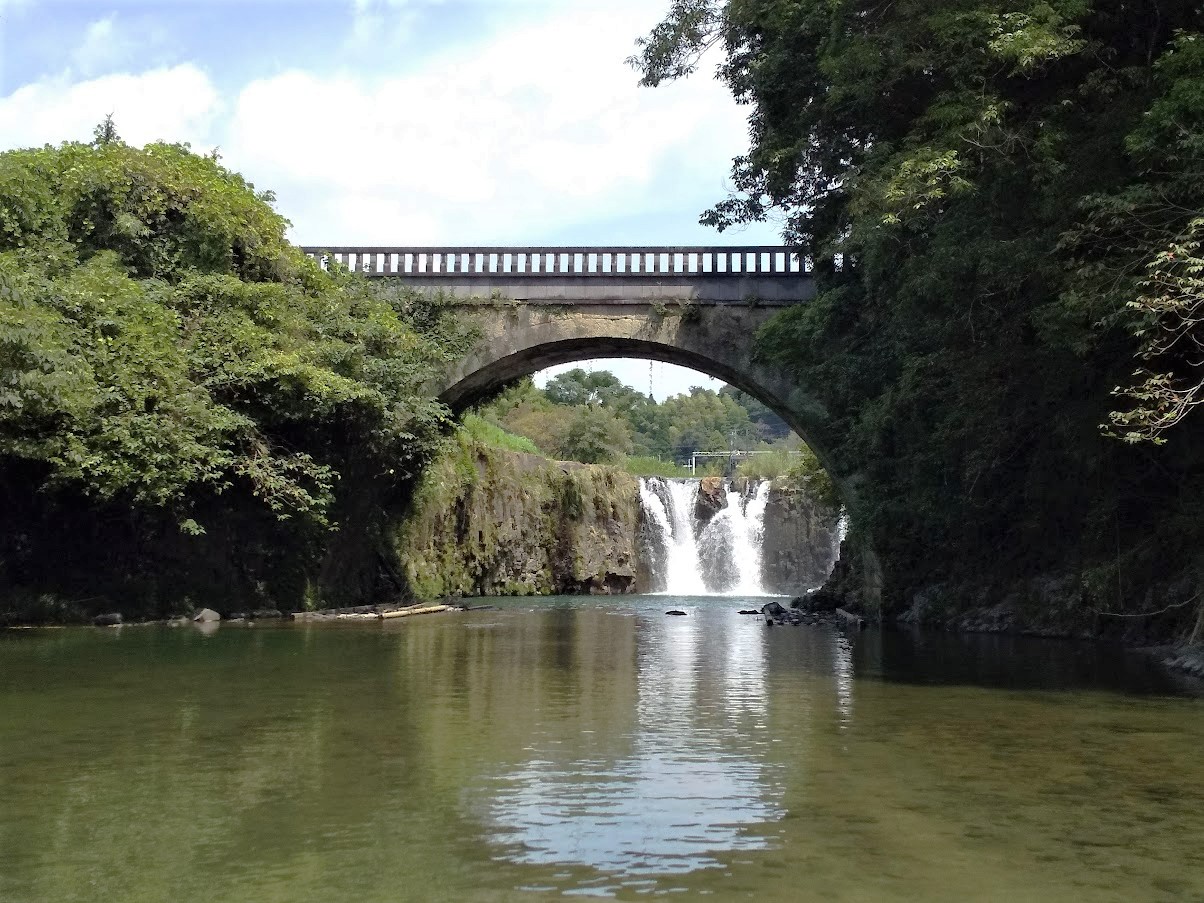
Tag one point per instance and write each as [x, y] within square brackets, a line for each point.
[699, 307]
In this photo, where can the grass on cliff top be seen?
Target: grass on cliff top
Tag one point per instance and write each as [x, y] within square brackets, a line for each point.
[488, 434]
[648, 466]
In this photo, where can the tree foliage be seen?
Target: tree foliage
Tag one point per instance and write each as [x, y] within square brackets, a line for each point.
[990, 192]
[166, 352]
[577, 403]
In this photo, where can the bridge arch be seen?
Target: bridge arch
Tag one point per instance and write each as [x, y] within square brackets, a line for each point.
[715, 339]
[535, 307]
[699, 307]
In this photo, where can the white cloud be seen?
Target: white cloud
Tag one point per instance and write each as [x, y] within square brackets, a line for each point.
[375, 21]
[103, 47]
[175, 104]
[539, 129]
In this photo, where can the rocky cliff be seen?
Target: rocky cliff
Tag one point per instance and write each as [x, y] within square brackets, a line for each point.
[488, 522]
[801, 541]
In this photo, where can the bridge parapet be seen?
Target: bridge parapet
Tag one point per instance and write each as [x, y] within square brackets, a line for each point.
[438, 263]
[769, 275]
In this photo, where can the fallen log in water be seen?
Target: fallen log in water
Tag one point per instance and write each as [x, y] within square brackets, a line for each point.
[356, 616]
[406, 612]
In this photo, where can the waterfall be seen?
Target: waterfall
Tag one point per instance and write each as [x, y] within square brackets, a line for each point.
[743, 522]
[842, 530]
[669, 504]
[724, 559]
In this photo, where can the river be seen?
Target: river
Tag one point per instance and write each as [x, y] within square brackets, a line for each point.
[591, 747]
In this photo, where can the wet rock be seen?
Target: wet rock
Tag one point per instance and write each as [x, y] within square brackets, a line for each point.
[680, 614]
[774, 610]
[816, 601]
[518, 524]
[1188, 659]
[238, 616]
[777, 614]
[749, 611]
[206, 616]
[852, 620]
[608, 584]
[710, 501]
[112, 619]
[800, 537]
[263, 614]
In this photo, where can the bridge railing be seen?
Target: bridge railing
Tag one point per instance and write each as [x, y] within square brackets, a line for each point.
[550, 262]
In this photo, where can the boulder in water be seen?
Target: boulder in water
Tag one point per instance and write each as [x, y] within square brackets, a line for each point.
[680, 614]
[111, 619]
[775, 613]
[206, 615]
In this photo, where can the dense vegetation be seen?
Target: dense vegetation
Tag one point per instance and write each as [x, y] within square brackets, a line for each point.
[190, 407]
[1003, 205]
[596, 419]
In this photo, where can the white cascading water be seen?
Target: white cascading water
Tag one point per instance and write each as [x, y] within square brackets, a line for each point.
[732, 539]
[682, 574]
[740, 527]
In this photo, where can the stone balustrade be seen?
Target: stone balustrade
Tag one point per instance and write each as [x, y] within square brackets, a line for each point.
[487, 263]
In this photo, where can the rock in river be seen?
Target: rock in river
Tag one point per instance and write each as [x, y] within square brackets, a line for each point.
[205, 615]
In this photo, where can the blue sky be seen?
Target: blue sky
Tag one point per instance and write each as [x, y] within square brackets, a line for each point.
[396, 121]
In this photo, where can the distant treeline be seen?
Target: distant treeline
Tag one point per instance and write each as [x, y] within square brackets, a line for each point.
[597, 419]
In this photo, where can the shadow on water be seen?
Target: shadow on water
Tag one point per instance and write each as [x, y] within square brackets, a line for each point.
[1013, 663]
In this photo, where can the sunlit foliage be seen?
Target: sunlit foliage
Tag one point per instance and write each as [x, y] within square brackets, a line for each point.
[165, 352]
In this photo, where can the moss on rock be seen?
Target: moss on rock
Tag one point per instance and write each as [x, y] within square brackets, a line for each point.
[488, 522]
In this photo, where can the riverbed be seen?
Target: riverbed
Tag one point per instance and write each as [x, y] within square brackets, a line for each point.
[591, 747]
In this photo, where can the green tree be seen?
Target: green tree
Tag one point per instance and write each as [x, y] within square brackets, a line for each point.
[169, 362]
[769, 426]
[982, 187]
[595, 435]
[579, 387]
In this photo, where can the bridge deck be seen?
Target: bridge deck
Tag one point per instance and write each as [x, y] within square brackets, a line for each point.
[770, 275]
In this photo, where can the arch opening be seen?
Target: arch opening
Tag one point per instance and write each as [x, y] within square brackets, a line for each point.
[757, 519]
[481, 383]
[716, 339]
[483, 378]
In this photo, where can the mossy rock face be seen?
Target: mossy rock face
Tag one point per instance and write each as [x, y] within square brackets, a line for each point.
[488, 522]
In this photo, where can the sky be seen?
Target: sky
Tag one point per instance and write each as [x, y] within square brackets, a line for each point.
[398, 122]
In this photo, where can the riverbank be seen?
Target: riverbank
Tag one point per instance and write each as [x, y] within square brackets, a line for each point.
[1166, 626]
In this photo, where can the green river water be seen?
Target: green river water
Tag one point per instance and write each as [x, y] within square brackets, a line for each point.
[584, 747]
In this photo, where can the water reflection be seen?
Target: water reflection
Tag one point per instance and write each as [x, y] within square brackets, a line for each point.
[842, 667]
[695, 782]
[590, 746]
